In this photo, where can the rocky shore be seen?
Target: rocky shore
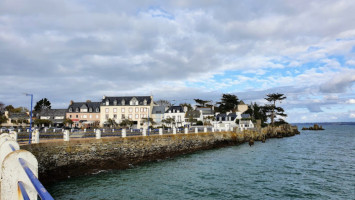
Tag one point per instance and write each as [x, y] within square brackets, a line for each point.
[60, 160]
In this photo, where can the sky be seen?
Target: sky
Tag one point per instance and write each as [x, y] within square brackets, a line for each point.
[182, 50]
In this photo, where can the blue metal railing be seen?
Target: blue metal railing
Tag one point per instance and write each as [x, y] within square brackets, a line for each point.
[41, 190]
[23, 191]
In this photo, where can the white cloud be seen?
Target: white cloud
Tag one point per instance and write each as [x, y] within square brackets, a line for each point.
[351, 101]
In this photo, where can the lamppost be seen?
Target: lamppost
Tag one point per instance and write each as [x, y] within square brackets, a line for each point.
[29, 139]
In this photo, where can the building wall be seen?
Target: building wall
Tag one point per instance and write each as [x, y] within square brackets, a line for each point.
[77, 116]
[134, 113]
[179, 118]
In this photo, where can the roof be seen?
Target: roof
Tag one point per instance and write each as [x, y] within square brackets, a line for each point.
[158, 110]
[53, 112]
[124, 100]
[205, 110]
[174, 109]
[88, 105]
[18, 115]
[245, 116]
[193, 113]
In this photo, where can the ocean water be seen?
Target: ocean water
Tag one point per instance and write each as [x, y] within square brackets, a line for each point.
[313, 165]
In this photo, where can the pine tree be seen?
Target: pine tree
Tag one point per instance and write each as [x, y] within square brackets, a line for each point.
[272, 109]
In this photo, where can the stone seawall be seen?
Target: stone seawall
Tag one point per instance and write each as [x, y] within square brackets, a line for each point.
[60, 160]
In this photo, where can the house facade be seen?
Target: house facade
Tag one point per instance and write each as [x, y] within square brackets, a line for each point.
[177, 114]
[21, 119]
[56, 116]
[84, 114]
[134, 108]
[158, 114]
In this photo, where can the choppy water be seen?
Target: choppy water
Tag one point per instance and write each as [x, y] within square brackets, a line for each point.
[313, 165]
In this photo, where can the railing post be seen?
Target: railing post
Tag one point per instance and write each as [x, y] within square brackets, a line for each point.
[14, 135]
[196, 130]
[35, 136]
[186, 130]
[124, 134]
[144, 132]
[84, 130]
[174, 130]
[66, 135]
[212, 129]
[160, 131]
[13, 172]
[6, 147]
[205, 129]
[98, 134]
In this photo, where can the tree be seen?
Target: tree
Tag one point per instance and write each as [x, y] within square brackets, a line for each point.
[163, 102]
[189, 107]
[146, 120]
[2, 108]
[9, 108]
[3, 119]
[126, 123]
[271, 109]
[257, 112]
[229, 102]
[42, 104]
[111, 122]
[169, 120]
[67, 121]
[202, 103]
[45, 122]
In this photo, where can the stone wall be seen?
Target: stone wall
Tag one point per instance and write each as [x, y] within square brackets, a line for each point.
[60, 160]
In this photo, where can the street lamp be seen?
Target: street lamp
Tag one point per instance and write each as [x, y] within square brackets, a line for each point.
[29, 139]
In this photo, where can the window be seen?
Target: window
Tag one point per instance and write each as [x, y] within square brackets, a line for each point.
[90, 116]
[123, 102]
[83, 110]
[106, 110]
[77, 116]
[115, 110]
[137, 116]
[123, 116]
[145, 102]
[122, 110]
[115, 102]
[130, 110]
[137, 109]
[115, 116]
[142, 109]
[59, 117]
[130, 116]
[145, 109]
[145, 116]
[69, 116]
[97, 116]
[97, 110]
[106, 116]
[142, 115]
[70, 109]
[77, 110]
[107, 103]
[85, 116]
[90, 109]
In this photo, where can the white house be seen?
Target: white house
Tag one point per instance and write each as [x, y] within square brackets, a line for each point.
[177, 114]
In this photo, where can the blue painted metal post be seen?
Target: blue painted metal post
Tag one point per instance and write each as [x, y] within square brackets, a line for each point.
[29, 139]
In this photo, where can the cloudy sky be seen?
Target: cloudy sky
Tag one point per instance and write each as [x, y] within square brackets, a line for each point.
[180, 50]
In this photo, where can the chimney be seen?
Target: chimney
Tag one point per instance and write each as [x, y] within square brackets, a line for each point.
[103, 97]
[88, 101]
[185, 108]
[71, 102]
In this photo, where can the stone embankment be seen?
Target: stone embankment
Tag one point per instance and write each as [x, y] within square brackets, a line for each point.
[60, 160]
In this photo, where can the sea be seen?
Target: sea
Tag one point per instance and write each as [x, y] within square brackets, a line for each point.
[312, 165]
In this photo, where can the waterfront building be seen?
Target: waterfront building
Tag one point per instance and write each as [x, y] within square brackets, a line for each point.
[20, 119]
[175, 116]
[193, 116]
[56, 116]
[158, 114]
[134, 108]
[84, 114]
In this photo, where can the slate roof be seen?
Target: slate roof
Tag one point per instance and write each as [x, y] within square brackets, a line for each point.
[245, 116]
[205, 110]
[224, 115]
[126, 99]
[53, 112]
[18, 115]
[193, 114]
[158, 110]
[176, 108]
[88, 105]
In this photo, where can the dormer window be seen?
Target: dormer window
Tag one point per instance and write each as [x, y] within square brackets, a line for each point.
[70, 109]
[97, 110]
[145, 102]
[107, 102]
[76, 109]
[115, 102]
[123, 102]
[90, 109]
